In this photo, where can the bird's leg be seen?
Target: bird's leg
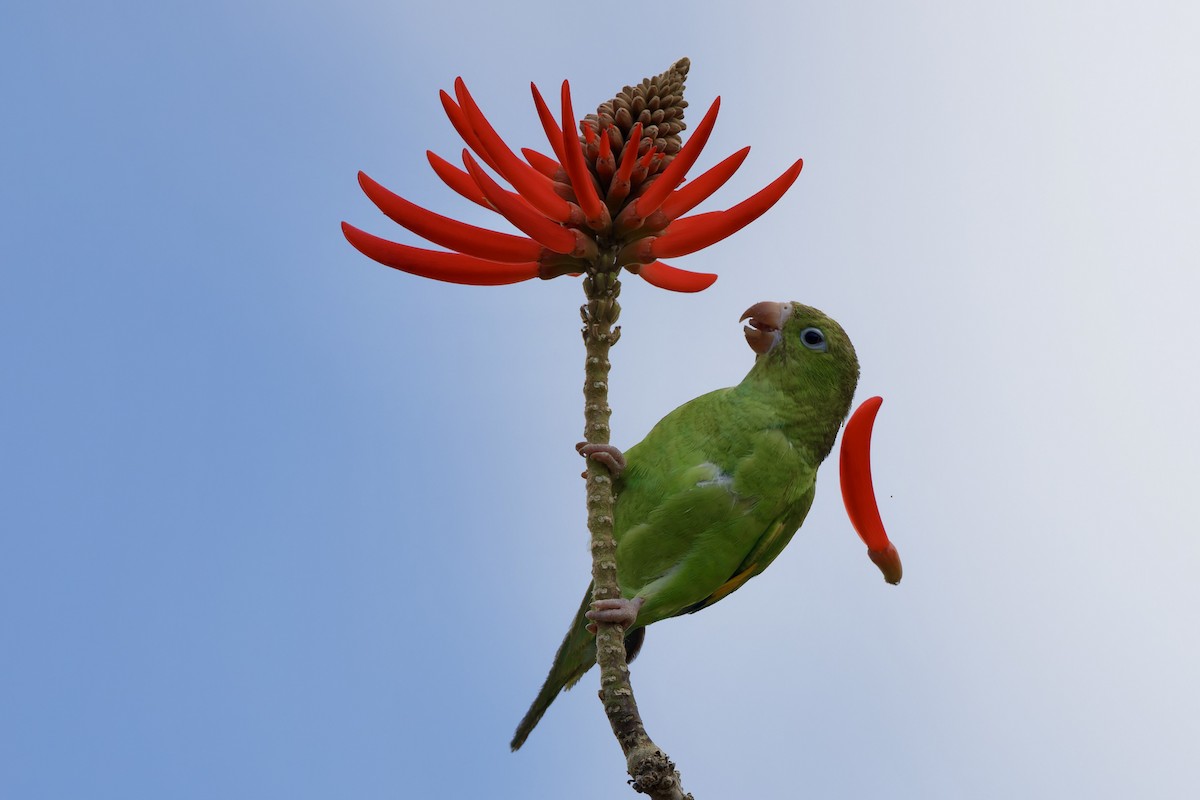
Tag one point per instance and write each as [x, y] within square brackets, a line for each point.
[607, 454]
[617, 609]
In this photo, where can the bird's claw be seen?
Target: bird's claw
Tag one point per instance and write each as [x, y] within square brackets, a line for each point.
[607, 454]
[615, 610]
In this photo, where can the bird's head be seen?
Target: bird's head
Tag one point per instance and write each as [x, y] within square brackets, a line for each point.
[805, 347]
[806, 352]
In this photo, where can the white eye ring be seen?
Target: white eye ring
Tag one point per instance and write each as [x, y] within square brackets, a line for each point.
[814, 339]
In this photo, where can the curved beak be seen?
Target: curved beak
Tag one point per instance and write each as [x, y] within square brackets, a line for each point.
[766, 319]
[858, 492]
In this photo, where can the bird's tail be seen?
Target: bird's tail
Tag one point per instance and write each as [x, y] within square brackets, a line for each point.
[575, 656]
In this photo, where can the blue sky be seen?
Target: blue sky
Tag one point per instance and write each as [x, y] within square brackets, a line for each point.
[280, 522]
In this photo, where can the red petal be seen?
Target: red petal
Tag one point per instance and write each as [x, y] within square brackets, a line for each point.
[449, 267]
[676, 171]
[605, 163]
[695, 192]
[550, 234]
[457, 180]
[542, 163]
[629, 153]
[640, 170]
[447, 232]
[581, 178]
[677, 280]
[459, 120]
[619, 188]
[549, 124]
[690, 234]
[529, 183]
[464, 184]
[858, 491]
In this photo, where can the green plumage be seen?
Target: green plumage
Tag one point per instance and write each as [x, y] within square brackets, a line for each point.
[718, 487]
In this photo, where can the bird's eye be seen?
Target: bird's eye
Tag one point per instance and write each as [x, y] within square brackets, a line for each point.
[813, 339]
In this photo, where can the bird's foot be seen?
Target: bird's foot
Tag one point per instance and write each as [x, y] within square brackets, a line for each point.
[617, 610]
[607, 454]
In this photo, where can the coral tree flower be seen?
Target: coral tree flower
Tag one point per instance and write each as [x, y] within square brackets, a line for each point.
[612, 198]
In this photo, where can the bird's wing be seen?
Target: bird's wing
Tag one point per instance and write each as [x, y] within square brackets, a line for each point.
[710, 529]
[768, 546]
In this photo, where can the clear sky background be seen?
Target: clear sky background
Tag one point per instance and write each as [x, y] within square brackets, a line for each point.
[276, 521]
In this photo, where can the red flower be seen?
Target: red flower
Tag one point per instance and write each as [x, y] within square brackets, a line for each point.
[613, 199]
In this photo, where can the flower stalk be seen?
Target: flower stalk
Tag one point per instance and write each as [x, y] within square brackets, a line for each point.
[651, 771]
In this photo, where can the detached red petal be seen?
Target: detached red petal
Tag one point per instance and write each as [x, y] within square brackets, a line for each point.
[858, 491]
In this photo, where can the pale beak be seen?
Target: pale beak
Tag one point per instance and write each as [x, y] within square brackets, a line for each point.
[766, 319]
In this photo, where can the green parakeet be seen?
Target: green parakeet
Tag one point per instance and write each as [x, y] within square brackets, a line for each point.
[718, 487]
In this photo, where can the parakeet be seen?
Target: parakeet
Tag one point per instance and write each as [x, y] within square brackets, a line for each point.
[718, 487]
